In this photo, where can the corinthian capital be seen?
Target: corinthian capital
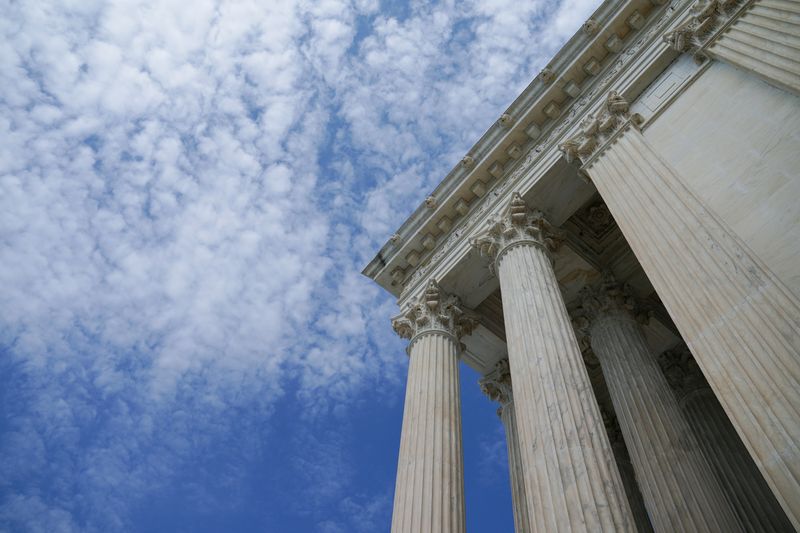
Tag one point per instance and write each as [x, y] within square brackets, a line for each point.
[518, 224]
[707, 16]
[595, 130]
[435, 310]
[681, 370]
[496, 384]
[608, 298]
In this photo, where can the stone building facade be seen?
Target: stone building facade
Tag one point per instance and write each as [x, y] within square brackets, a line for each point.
[619, 257]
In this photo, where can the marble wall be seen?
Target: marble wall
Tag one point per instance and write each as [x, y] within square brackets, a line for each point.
[736, 140]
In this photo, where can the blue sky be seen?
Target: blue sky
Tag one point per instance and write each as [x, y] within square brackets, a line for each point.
[188, 193]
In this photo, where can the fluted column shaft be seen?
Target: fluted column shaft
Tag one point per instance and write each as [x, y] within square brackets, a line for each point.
[628, 476]
[761, 36]
[497, 385]
[571, 479]
[518, 495]
[739, 477]
[765, 40]
[621, 457]
[741, 323]
[429, 494]
[678, 486]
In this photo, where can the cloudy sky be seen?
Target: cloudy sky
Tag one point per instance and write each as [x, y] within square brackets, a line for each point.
[188, 193]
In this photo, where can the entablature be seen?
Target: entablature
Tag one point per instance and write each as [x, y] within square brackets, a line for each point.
[522, 147]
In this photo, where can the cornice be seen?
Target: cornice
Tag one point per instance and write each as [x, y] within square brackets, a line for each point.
[540, 153]
[564, 80]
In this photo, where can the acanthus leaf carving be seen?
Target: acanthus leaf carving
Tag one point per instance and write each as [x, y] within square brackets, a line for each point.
[435, 310]
[694, 34]
[681, 371]
[609, 298]
[594, 130]
[518, 223]
[496, 384]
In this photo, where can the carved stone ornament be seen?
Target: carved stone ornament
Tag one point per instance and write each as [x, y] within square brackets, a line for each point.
[519, 223]
[435, 310]
[505, 120]
[590, 27]
[430, 202]
[496, 384]
[547, 75]
[397, 275]
[580, 323]
[610, 298]
[468, 162]
[694, 33]
[595, 130]
[395, 238]
[600, 217]
[597, 86]
[681, 370]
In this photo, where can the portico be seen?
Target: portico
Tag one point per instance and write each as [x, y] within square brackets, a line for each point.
[637, 200]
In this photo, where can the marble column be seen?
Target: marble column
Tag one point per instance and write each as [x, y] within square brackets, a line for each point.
[626, 472]
[752, 500]
[678, 486]
[739, 320]
[762, 37]
[571, 481]
[621, 456]
[497, 386]
[429, 493]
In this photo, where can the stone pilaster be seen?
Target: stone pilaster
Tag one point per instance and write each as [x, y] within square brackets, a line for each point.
[739, 320]
[497, 386]
[429, 494]
[678, 486]
[752, 500]
[761, 36]
[571, 481]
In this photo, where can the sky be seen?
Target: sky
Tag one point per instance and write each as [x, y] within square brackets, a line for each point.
[188, 194]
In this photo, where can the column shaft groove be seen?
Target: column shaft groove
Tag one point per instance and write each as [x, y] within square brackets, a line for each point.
[571, 480]
[429, 495]
[735, 470]
[739, 320]
[518, 493]
[678, 486]
[765, 40]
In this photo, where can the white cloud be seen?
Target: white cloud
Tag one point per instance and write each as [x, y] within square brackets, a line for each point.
[187, 194]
